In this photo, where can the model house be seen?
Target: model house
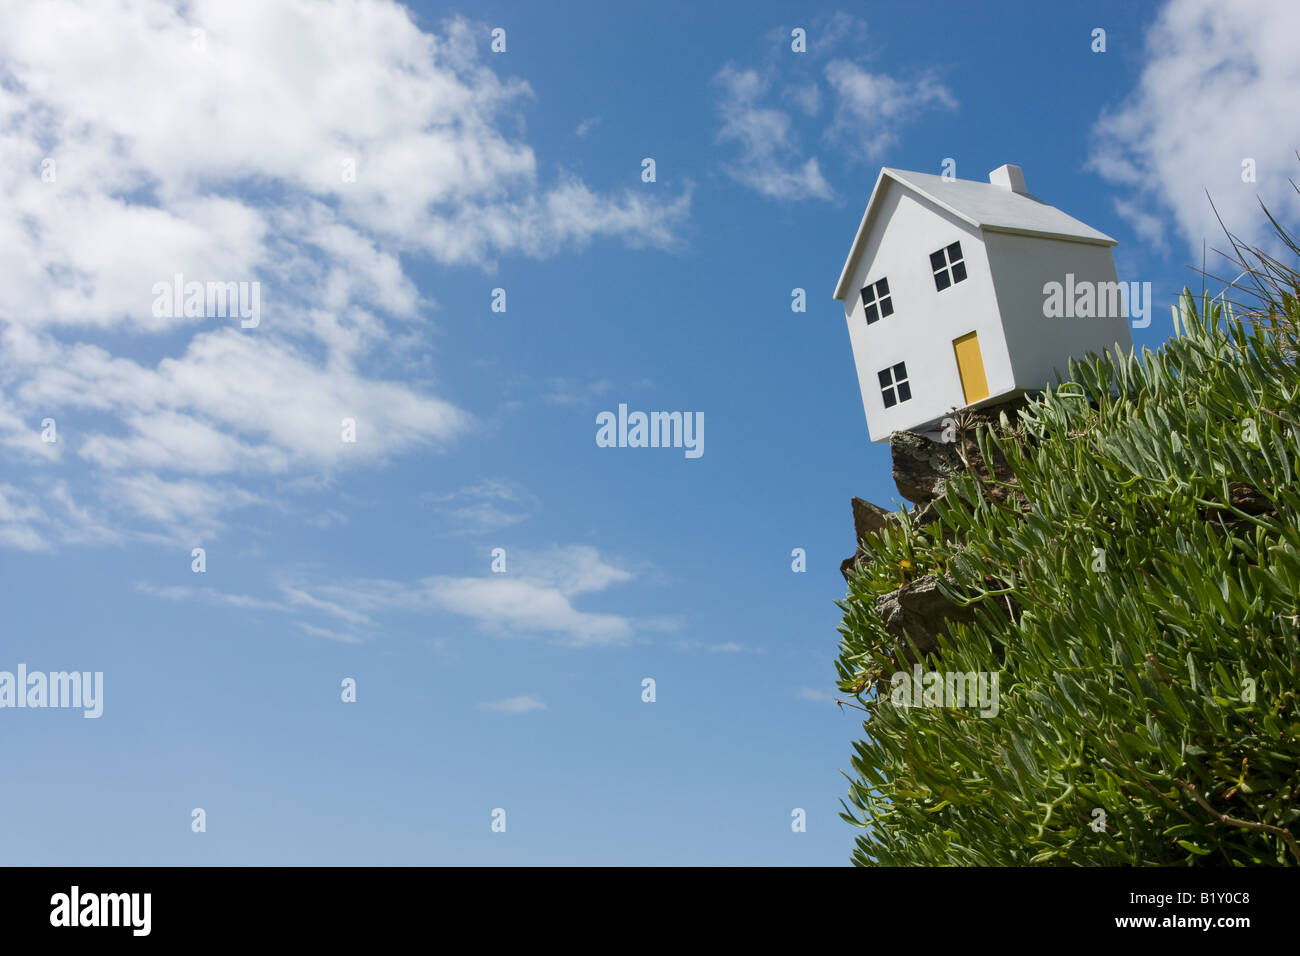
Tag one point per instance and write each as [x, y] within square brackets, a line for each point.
[944, 291]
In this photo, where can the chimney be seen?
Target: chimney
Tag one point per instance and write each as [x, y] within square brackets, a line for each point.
[1009, 177]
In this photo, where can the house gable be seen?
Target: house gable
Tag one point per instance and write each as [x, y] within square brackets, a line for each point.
[925, 319]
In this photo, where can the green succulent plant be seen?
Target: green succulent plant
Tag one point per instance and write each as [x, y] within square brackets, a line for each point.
[1137, 589]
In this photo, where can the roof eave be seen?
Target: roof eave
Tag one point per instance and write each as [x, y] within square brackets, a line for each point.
[1101, 239]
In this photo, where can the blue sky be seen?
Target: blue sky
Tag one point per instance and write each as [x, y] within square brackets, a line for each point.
[218, 156]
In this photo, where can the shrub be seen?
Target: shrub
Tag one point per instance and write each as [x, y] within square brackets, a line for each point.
[1134, 585]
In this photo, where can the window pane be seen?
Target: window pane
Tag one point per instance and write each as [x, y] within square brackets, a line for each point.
[890, 400]
[886, 306]
[941, 280]
[871, 313]
[885, 380]
[959, 272]
[954, 252]
[900, 371]
[868, 295]
[936, 260]
[904, 392]
[882, 288]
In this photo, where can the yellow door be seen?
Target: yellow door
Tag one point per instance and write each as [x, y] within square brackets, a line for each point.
[970, 365]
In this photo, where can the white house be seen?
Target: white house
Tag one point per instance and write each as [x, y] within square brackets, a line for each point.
[944, 292]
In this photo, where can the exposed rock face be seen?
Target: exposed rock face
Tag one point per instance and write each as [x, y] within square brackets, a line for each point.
[924, 514]
[922, 466]
[918, 612]
[867, 518]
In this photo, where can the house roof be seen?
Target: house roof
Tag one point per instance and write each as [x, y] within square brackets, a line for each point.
[983, 205]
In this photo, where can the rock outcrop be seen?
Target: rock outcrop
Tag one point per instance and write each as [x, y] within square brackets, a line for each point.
[916, 612]
[922, 467]
[868, 518]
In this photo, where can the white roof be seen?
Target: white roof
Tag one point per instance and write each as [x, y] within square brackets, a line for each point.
[983, 205]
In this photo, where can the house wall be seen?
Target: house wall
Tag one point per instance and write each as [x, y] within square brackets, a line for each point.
[1039, 346]
[898, 244]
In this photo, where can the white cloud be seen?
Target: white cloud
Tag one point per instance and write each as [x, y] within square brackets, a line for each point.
[838, 29]
[232, 403]
[490, 505]
[770, 159]
[224, 161]
[194, 595]
[420, 113]
[586, 126]
[807, 97]
[188, 506]
[299, 597]
[814, 695]
[1217, 87]
[326, 633]
[871, 108]
[568, 391]
[20, 513]
[576, 569]
[42, 519]
[508, 607]
[535, 598]
[77, 523]
[523, 704]
[868, 111]
[24, 437]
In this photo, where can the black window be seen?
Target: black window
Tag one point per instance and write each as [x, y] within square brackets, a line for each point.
[947, 266]
[876, 301]
[893, 384]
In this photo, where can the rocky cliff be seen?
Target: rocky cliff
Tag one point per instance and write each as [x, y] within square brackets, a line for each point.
[917, 612]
